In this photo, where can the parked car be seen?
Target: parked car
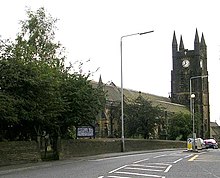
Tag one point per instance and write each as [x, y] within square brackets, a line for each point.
[211, 143]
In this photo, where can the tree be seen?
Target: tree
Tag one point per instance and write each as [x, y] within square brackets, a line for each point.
[43, 62]
[141, 118]
[179, 127]
[82, 101]
[36, 91]
[36, 42]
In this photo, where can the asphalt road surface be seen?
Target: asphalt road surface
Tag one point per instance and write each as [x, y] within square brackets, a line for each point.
[154, 164]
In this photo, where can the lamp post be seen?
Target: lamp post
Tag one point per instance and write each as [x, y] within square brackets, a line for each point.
[192, 105]
[192, 97]
[122, 93]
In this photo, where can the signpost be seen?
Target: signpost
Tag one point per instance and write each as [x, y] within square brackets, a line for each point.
[85, 131]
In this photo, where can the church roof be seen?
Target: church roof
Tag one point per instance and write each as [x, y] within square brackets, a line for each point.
[113, 94]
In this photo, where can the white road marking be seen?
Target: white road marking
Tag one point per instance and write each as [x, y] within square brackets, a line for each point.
[188, 156]
[141, 161]
[159, 156]
[177, 160]
[117, 157]
[118, 177]
[156, 167]
[168, 168]
[138, 174]
[117, 169]
[140, 165]
[143, 169]
[166, 164]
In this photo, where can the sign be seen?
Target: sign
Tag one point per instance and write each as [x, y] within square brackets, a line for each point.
[85, 131]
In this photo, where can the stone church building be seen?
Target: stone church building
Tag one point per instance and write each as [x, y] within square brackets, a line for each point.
[190, 76]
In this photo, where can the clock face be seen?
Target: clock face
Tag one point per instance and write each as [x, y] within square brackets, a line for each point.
[185, 63]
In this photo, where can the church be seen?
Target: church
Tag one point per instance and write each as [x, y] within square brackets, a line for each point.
[189, 77]
[189, 81]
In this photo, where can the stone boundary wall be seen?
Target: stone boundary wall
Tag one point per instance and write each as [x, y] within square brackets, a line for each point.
[86, 147]
[18, 152]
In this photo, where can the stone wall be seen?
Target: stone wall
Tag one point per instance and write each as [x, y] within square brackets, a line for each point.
[26, 152]
[86, 147]
[17, 152]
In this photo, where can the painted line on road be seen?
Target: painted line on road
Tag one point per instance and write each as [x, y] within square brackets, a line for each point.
[140, 161]
[166, 164]
[177, 160]
[148, 166]
[117, 169]
[193, 158]
[116, 157]
[138, 174]
[188, 156]
[118, 177]
[168, 168]
[24, 168]
[144, 169]
[159, 156]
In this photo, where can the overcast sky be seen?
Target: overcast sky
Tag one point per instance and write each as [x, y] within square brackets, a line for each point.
[91, 29]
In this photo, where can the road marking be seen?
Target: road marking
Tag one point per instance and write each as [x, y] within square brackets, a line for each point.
[159, 156]
[117, 169]
[194, 157]
[141, 161]
[138, 174]
[118, 177]
[162, 167]
[100, 176]
[24, 168]
[168, 168]
[166, 164]
[143, 169]
[177, 160]
[116, 157]
[188, 156]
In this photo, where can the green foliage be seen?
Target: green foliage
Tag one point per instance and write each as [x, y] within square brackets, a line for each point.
[82, 101]
[36, 92]
[141, 118]
[36, 40]
[179, 127]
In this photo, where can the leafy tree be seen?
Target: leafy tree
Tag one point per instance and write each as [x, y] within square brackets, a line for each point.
[141, 118]
[36, 90]
[82, 101]
[36, 41]
[179, 127]
[39, 55]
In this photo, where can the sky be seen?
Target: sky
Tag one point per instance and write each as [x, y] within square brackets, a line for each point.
[91, 30]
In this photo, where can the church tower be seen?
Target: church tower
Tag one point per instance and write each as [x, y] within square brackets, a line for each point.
[190, 66]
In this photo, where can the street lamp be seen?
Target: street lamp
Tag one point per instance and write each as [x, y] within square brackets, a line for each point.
[192, 97]
[122, 93]
[192, 103]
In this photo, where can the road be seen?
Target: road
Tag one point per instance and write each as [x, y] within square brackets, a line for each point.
[156, 164]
